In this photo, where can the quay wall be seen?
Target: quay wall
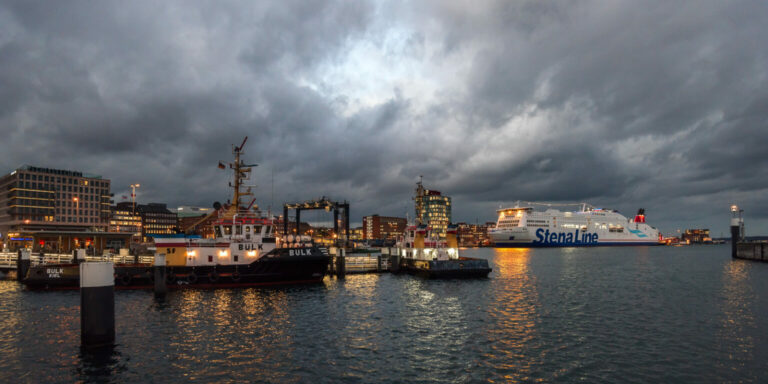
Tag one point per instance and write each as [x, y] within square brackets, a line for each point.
[752, 251]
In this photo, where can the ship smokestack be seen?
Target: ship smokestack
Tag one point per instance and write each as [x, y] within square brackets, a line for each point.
[640, 217]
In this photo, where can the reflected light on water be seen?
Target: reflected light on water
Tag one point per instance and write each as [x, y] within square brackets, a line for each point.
[513, 312]
[738, 319]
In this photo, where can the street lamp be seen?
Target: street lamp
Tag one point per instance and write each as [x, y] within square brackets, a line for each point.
[133, 195]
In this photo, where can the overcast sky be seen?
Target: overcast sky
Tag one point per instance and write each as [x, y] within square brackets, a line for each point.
[624, 104]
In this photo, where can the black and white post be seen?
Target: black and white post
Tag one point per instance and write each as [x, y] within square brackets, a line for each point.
[78, 256]
[341, 268]
[23, 262]
[97, 304]
[736, 223]
[158, 269]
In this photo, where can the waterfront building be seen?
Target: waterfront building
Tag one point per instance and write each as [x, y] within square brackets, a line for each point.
[377, 227]
[696, 236]
[474, 235]
[36, 198]
[304, 227]
[156, 219]
[433, 209]
[125, 219]
[356, 234]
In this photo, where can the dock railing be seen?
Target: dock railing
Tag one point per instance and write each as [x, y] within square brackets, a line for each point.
[367, 261]
[8, 259]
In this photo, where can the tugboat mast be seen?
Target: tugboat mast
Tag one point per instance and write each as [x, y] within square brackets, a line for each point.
[241, 172]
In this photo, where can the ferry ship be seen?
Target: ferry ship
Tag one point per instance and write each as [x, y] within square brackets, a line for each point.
[524, 227]
[246, 251]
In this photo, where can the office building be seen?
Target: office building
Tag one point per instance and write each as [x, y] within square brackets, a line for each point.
[35, 198]
[157, 220]
[126, 220]
[433, 209]
[377, 227]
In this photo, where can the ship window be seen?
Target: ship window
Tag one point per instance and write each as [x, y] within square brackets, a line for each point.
[210, 258]
[238, 230]
[236, 257]
[227, 230]
[257, 229]
[247, 236]
[247, 229]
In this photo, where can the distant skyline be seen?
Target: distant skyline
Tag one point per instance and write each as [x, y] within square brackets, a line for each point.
[623, 104]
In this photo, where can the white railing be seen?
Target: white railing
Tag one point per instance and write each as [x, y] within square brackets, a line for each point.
[123, 259]
[361, 264]
[8, 259]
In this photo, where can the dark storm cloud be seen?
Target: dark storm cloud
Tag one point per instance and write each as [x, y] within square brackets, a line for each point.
[623, 104]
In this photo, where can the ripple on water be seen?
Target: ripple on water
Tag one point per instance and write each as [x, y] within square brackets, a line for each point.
[596, 315]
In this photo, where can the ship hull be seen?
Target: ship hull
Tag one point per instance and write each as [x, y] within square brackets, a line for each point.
[274, 269]
[463, 268]
[568, 245]
[547, 238]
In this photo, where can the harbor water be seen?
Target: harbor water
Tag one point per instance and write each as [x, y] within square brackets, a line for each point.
[641, 314]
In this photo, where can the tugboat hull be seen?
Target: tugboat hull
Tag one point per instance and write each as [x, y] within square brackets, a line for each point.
[276, 268]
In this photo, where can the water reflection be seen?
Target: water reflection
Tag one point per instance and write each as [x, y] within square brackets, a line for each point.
[512, 335]
[102, 364]
[594, 315]
[735, 337]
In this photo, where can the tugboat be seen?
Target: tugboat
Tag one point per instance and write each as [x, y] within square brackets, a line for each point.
[423, 252]
[245, 252]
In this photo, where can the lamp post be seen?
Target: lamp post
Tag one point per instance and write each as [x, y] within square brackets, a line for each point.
[133, 195]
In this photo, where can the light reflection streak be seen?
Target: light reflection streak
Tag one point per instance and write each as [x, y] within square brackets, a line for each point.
[359, 317]
[225, 328]
[513, 312]
[436, 321]
[738, 321]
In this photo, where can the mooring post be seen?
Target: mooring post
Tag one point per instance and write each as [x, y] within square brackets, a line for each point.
[23, 262]
[158, 269]
[340, 264]
[394, 261]
[78, 256]
[378, 263]
[97, 304]
[735, 229]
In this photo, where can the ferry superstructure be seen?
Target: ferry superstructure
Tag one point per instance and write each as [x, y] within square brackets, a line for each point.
[524, 227]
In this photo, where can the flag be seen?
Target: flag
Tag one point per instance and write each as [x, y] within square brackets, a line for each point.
[222, 166]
